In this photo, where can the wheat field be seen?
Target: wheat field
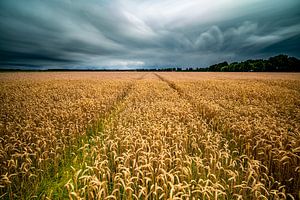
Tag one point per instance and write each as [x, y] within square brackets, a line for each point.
[149, 135]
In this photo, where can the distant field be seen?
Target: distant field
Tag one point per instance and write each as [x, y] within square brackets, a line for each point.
[148, 135]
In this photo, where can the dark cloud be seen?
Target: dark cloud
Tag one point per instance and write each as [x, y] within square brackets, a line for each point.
[141, 33]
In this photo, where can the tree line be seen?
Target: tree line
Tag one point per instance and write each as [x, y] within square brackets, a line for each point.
[279, 63]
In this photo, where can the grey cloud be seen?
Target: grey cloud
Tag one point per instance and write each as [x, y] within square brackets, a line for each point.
[241, 32]
[210, 40]
[134, 33]
[276, 36]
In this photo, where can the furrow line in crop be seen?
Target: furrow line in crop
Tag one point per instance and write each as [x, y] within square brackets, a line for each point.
[150, 141]
[205, 111]
[240, 149]
[79, 156]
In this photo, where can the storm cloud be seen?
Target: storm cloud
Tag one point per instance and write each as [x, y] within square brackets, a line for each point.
[144, 33]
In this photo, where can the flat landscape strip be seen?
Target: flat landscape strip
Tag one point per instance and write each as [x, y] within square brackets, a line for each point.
[159, 136]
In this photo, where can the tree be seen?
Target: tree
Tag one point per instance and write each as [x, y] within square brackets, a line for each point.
[280, 63]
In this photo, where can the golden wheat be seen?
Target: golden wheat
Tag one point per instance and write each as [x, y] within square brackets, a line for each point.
[151, 136]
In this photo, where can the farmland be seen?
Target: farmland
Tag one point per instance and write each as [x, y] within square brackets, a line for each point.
[148, 135]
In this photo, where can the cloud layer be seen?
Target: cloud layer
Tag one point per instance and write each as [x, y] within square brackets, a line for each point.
[144, 33]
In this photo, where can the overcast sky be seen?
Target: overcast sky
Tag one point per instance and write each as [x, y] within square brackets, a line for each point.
[141, 33]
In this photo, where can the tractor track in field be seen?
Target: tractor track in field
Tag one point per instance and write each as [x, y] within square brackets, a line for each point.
[205, 111]
[215, 124]
[120, 98]
[55, 183]
[208, 114]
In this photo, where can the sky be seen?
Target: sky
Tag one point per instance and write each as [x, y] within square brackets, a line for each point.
[128, 34]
